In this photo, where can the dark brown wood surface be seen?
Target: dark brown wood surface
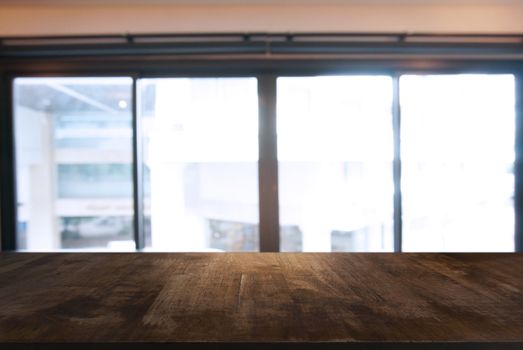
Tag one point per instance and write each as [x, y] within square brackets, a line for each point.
[335, 298]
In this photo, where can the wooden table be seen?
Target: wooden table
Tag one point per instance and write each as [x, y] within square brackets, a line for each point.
[269, 300]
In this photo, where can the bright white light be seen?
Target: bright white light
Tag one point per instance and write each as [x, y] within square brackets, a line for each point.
[122, 104]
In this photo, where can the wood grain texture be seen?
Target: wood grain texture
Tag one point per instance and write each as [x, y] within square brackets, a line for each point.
[335, 298]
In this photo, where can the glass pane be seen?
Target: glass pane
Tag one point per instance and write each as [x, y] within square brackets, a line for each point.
[458, 154]
[73, 162]
[335, 163]
[200, 139]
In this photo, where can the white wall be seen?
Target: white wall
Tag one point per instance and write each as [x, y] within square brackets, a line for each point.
[138, 18]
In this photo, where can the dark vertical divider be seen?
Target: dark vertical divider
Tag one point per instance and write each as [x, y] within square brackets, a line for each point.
[268, 165]
[396, 167]
[7, 166]
[137, 170]
[518, 166]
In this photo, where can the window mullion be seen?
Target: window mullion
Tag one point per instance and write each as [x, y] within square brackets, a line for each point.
[268, 165]
[137, 171]
[518, 165]
[396, 127]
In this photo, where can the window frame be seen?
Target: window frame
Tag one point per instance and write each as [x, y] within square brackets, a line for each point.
[266, 70]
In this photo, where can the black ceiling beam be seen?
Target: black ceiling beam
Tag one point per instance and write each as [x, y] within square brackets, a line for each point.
[131, 49]
[263, 44]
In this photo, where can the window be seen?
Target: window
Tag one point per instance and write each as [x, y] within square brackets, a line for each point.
[458, 162]
[73, 153]
[200, 142]
[335, 163]
[265, 156]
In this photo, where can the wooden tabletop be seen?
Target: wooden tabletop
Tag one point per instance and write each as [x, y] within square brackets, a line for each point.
[348, 301]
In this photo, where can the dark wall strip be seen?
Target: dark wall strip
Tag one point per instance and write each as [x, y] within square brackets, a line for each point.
[8, 204]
